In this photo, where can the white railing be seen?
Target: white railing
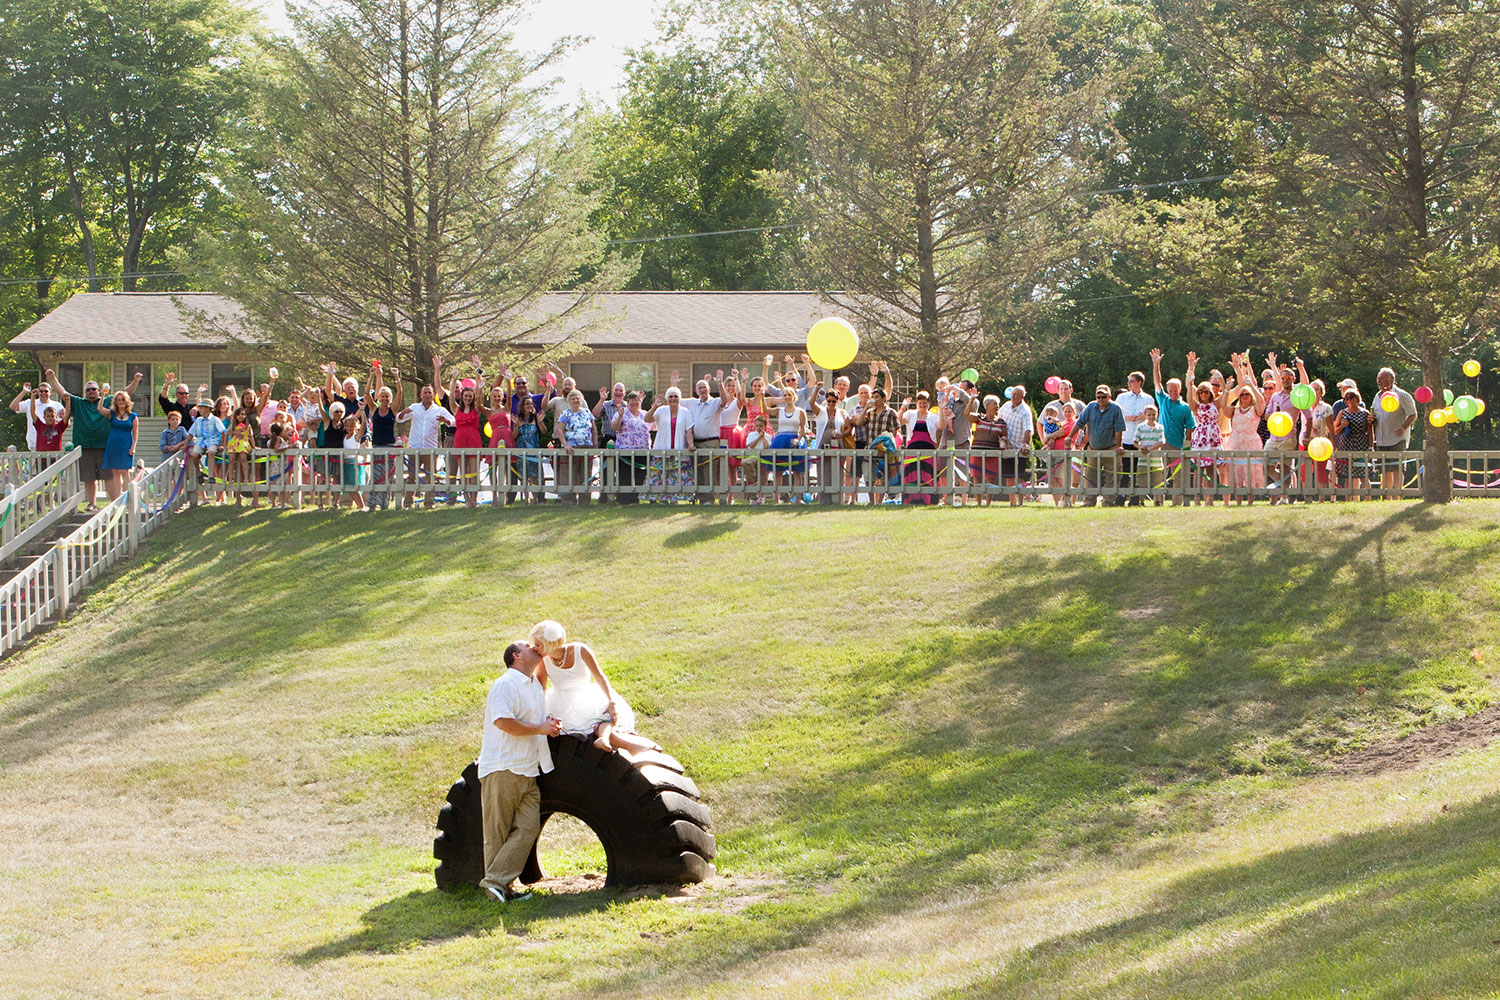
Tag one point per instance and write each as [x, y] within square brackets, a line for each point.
[48, 586]
[409, 476]
[18, 466]
[50, 495]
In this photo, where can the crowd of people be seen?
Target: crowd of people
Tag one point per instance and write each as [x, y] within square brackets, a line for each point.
[1229, 436]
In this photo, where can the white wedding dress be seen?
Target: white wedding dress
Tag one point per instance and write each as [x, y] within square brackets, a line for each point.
[576, 698]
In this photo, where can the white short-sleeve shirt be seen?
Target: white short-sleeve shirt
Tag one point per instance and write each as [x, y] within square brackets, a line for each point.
[514, 695]
[1133, 404]
[425, 421]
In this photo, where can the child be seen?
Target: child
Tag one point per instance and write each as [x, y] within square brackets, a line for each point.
[1150, 440]
[208, 437]
[350, 471]
[282, 468]
[758, 438]
[580, 695]
[241, 440]
[174, 439]
[49, 427]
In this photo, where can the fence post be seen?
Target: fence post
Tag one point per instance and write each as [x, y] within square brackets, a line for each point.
[132, 516]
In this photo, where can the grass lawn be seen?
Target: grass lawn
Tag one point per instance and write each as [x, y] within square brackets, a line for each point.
[949, 753]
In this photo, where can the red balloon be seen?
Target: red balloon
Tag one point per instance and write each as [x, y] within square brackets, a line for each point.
[1423, 394]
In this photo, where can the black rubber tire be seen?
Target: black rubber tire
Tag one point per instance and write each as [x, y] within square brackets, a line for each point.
[645, 811]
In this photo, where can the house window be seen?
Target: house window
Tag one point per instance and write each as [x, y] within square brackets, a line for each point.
[636, 375]
[221, 377]
[71, 377]
[591, 375]
[707, 372]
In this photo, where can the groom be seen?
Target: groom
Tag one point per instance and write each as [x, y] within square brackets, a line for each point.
[512, 754]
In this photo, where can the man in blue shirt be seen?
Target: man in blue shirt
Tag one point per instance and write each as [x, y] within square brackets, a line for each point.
[1176, 421]
[1102, 425]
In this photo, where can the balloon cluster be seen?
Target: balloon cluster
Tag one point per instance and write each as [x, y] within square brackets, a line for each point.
[1455, 409]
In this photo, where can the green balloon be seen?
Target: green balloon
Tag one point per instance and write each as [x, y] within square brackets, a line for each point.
[1466, 408]
[1302, 397]
[1447, 397]
[970, 374]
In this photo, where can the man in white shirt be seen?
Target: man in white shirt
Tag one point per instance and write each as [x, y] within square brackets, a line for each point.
[427, 417]
[513, 753]
[32, 411]
[709, 466]
[1133, 402]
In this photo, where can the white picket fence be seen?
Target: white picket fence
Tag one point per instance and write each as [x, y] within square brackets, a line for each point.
[45, 589]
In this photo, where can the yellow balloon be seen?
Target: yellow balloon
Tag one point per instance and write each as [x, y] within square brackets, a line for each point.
[832, 343]
[1481, 406]
[1471, 368]
[487, 431]
[1279, 424]
[1436, 418]
[1389, 402]
[1449, 415]
[1320, 449]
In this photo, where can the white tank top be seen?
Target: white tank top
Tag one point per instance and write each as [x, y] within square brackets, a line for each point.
[788, 421]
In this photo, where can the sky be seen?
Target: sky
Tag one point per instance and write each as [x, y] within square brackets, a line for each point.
[594, 68]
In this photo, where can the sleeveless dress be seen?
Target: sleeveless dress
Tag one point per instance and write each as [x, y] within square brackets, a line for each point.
[919, 471]
[788, 435]
[576, 699]
[1244, 436]
[501, 434]
[117, 446]
[466, 429]
[1356, 438]
[1206, 436]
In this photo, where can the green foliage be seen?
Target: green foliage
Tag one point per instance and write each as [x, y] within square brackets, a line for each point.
[684, 153]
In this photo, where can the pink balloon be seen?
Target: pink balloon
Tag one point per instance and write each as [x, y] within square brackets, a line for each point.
[550, 378]
[1423, 394]
[1053, 384]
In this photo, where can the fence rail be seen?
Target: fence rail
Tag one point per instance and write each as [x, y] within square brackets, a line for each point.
[52, 493]
[401, 476]
[49, 585]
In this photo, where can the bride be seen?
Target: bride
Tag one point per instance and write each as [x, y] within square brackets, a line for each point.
[580, 695]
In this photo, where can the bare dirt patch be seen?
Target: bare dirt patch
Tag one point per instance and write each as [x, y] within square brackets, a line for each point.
[1431, 743]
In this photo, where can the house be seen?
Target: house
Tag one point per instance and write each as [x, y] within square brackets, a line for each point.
[642, 337]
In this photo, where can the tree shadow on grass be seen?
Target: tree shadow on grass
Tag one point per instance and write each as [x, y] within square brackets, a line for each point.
[430, 916]
[1408, 910]
[1087, 702]
[707, 531]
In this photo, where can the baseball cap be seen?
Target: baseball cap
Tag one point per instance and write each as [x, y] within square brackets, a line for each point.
[1347, 383]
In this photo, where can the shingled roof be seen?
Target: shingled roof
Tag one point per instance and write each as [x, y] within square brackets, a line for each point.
[714, 320]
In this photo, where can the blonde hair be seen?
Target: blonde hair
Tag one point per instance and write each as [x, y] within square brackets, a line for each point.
[548, 636]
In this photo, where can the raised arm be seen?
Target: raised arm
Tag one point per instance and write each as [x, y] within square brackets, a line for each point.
[57, 387]
[22, 396]
[135, 383]
[1158, 388]
[1192, 369]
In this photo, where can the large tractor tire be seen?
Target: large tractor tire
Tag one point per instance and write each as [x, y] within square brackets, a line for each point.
[644, 810]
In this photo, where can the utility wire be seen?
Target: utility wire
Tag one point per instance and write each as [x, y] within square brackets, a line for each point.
[615, 243]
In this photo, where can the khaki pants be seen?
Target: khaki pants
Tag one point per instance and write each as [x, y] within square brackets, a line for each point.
[511, 807]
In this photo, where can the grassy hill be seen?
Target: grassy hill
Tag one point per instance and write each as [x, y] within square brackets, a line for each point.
[1036, 753]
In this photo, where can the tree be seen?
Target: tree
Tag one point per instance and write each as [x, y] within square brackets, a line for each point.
[943, 141]
[412, 193]
[132, 100]
[682, 154]
[1366, 136]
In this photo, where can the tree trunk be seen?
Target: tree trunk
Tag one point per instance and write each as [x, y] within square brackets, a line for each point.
[927, 289]
[85, 233]
[1437, 464]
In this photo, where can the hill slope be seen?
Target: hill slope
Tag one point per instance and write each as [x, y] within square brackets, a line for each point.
[948, 753]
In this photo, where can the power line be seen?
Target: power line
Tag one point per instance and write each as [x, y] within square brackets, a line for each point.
[97, 277]
[616, 243]
[692, 236]
[1160, 184]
